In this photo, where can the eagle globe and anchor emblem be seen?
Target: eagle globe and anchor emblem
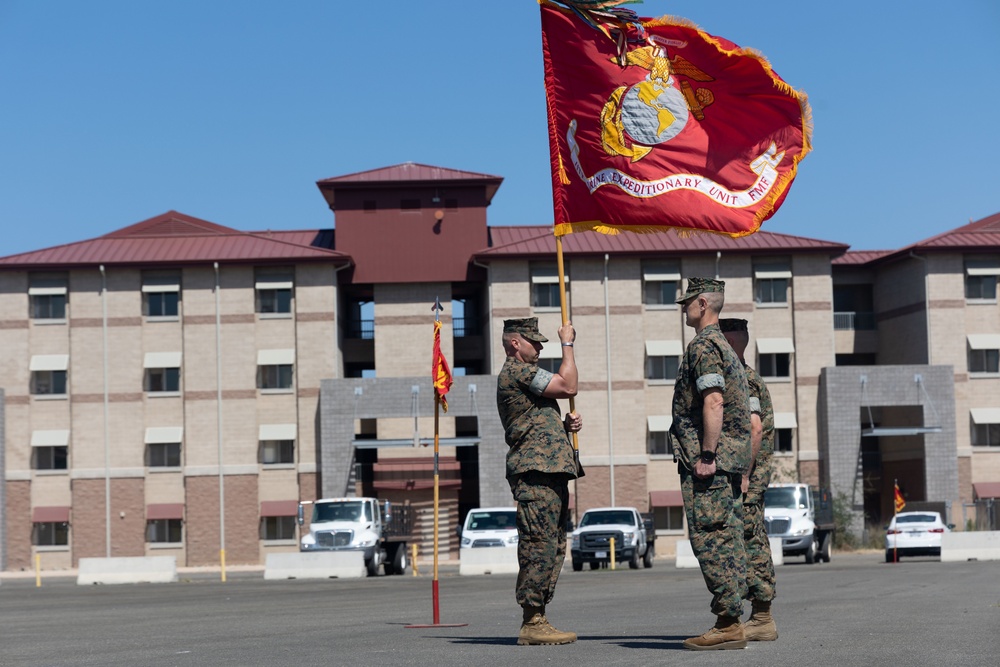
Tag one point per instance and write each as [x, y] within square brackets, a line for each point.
[636, 118]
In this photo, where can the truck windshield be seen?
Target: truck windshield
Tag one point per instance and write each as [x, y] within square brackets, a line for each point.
[607, 518]
[784, 498]
[345, 511]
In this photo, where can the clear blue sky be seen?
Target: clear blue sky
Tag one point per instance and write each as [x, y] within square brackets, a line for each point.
[115, 111]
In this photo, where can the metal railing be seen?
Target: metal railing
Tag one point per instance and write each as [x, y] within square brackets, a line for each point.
[362, 329]
[466, 326]
[854, 321]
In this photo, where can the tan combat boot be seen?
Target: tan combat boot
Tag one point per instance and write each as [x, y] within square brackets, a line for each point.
[536, 630]
[726, 634]
[761, 627]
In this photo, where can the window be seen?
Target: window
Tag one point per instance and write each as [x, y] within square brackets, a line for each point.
[277, 451]
[162, 380]
[771, 282]
[981, 280]
[985, 427]
[48, 295]
[54, 457]
[986, 435]
[784, 424]
[551, 365]
[984, 361]
[50, 534]
[48, 307]
[545, 285]
[277, 528]
[274, 292]
[774, 365]
[657, 442]
[783, 440]
[663, 358]
[774, 357]
[160, 294]
[278, 376]
[984, 353]
[164, 531]
[660, 281]
[48, 383]
[668, 518]
[164, 454]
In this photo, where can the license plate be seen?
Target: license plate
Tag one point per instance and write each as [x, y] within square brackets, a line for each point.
[601, 554]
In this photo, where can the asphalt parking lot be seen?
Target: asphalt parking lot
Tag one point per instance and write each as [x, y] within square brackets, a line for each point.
[857, 610]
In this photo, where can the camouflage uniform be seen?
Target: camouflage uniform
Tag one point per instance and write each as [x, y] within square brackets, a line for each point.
[713, 506]
[540, 464]
[760, 567]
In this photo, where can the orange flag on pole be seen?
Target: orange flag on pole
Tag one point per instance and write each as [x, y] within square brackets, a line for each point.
[900, 503]
[440, 372]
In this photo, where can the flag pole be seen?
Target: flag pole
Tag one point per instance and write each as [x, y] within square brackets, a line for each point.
[435, 597]
[560, 266]
[895, 511]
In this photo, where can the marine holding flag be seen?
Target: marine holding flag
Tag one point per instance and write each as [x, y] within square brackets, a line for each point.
[655, 124]
[540, 463]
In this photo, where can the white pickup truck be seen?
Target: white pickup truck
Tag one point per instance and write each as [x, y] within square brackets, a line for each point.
[634, 538]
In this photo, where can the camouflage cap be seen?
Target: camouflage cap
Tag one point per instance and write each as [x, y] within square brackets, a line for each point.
[732, 324]
[527, 327]
[698, 286]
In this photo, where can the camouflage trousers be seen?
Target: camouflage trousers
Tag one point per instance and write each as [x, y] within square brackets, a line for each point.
[714, 511]
[542, 513]
[760, 567]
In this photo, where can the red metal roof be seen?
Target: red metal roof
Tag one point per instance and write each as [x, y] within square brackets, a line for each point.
[539, 241]
[410, 172]
[987, 489]
[50, 515]
[279, 507]
[858, 257]
[156, 511]
[978, 236]
[174, 238]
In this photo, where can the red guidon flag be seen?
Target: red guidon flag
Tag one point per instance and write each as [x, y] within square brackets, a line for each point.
[656, 125]
[900, 502]
[440, 372]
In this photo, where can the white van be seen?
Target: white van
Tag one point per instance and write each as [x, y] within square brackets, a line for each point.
[490, 527]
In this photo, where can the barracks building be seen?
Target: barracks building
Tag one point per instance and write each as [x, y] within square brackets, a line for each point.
[165, 370]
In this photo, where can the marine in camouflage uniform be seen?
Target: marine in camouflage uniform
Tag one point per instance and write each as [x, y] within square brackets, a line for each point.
[711, 472]
[760, 566]
[540, 463]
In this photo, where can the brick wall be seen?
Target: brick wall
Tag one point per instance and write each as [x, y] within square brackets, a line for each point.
[18, 530]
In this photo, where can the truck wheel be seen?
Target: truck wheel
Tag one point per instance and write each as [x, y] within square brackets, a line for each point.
[811, 552]
[633, 562]
[371, 565]
[647, 558]
[594, 565]
[577, 565]
[397, 562]
[824, 551]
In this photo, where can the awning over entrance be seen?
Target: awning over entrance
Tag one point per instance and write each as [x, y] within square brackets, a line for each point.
[665, 499]
[157, 511]
[986, 489]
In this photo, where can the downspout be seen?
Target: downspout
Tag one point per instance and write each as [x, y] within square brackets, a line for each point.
[218, 403]
[489, 309]
[718, 258]
[107, 421]
[607, 340]
[927, 304]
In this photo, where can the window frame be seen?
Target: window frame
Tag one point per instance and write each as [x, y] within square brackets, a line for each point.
[166, 529]
[770, 369]
[167, 447]
[50, 533]
[664, 360]
[674, 518]
[781, 442]
[165, 379]
[35, 381]
[165, 305]
[653, 441]
[53, 457]
[264, 377]
[991, 430]
[989, 362]
[38, 299]
[277, 528]
[285, 449]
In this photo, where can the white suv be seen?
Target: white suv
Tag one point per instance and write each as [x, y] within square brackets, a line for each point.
[490, 527]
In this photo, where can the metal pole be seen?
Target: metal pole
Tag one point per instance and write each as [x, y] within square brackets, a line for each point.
[572, 402]
[107, 421]
[218, 403]
[607, 340]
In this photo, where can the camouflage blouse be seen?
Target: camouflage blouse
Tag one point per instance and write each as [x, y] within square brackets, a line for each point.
[760, 402]
[532, 423]
[708, 362]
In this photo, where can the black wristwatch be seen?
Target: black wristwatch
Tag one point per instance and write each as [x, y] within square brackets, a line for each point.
[707, 457]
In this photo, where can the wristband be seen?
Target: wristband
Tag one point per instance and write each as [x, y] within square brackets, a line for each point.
[567, 344]
[707, 457]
